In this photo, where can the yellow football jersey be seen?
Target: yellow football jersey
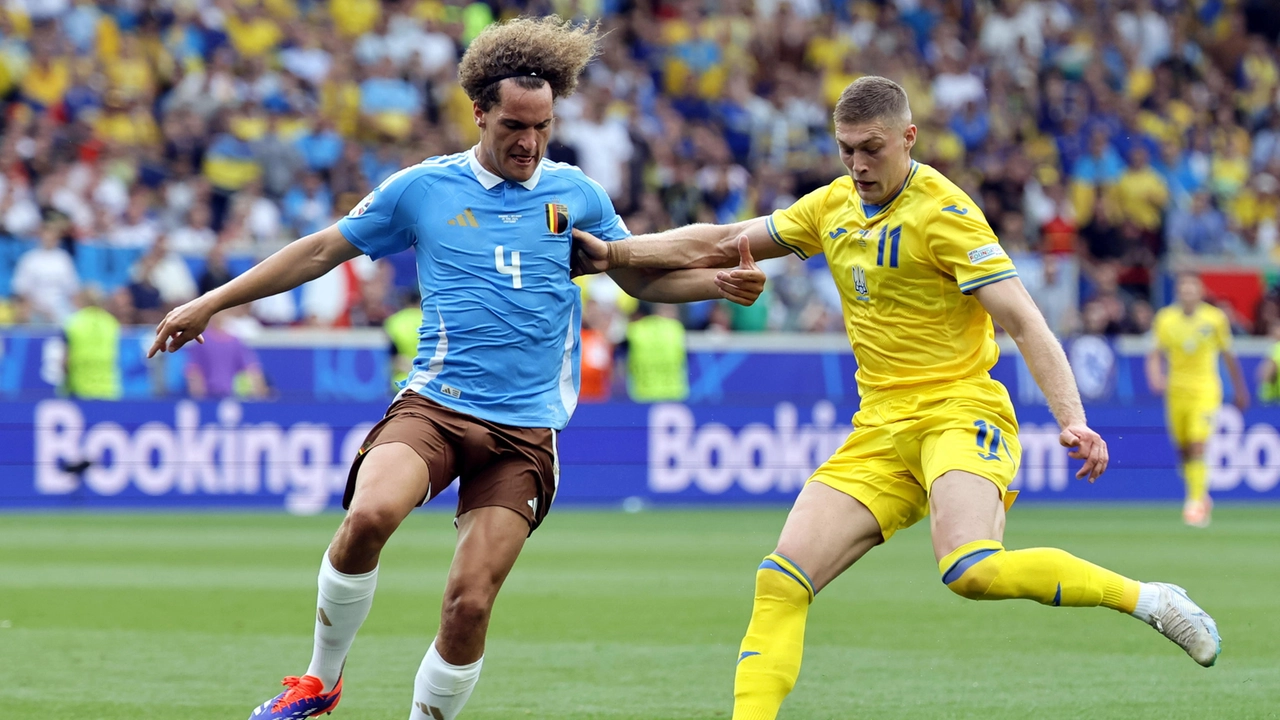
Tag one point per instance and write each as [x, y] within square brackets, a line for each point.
[905, 270]
[1192, 344]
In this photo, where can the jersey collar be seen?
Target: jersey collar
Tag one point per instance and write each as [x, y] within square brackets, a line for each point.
[871, 211]
[490, 181]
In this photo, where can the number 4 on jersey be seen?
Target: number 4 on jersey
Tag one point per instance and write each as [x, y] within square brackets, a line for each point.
[499, 261]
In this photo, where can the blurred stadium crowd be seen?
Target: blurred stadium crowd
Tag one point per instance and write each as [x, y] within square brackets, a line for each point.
[151, 149]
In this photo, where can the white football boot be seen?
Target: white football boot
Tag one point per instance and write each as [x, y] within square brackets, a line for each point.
[1182, 621]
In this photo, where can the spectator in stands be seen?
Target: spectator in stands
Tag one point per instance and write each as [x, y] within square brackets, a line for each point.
[278, 156]
[320, 147]
[216, 274]
[45, 279]
[1201, 229]
[137, 229]
[308, 205]
[1102, 165]
[195, 236]
[597, 353]
[18, 209]
[169, 274]
[261, 215]
[223, 366]
[387, 102]
[1142, 194]
[603, 144]
[1102, 235]
[972, 125]
[120, 304]
[306, 57]
[1266, 144]
[148, 306]
[1053, 284]
[1096, 320]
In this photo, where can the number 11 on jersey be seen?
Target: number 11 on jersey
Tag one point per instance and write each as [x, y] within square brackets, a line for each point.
[499, 261]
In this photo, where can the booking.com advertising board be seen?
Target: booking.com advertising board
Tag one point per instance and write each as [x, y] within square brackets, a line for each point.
[753, 429]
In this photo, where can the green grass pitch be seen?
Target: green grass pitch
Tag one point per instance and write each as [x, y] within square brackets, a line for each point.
[625, 617]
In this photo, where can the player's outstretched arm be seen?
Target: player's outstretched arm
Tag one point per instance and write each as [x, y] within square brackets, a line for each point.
[742, 284]
[1011, 305]
[298, 262]
[691, 246]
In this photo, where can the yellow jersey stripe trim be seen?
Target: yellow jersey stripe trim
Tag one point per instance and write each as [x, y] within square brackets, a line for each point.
[979, 282]
[777, 238]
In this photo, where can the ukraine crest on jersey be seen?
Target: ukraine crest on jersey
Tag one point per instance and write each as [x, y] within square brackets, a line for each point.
[501, 318]
[905, 271]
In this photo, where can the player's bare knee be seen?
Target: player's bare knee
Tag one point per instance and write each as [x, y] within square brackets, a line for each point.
[466, 607]
[369, 527]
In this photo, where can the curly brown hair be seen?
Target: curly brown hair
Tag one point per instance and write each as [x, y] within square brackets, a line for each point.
[531, 51]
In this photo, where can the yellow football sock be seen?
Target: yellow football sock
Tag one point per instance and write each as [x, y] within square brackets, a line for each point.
[1196, 475]
[984, 570]
[769, 659]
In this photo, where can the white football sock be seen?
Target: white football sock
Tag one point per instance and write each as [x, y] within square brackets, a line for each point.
[440, 689]
[1148, 598]
[341, 608]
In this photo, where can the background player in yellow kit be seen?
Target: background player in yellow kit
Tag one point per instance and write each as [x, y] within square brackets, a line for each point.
[1190, 335]
[921, 276]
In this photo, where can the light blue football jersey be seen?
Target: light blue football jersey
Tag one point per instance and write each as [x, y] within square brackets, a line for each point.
[501, 319]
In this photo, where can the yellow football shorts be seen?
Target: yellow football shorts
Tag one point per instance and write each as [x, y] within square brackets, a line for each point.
[1191, 416]
[903, 440]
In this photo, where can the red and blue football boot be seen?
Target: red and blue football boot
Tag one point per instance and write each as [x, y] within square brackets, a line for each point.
[303, 699]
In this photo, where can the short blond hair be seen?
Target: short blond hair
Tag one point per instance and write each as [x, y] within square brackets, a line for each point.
[872, 98]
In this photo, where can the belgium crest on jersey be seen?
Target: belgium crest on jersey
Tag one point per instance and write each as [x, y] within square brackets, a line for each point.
[557, 218]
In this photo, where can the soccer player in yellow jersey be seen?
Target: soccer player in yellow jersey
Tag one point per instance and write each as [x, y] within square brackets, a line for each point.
[922, 276]
[1190, 335]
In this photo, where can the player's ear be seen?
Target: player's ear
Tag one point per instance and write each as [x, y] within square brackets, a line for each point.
[909, 137]
[475, 108]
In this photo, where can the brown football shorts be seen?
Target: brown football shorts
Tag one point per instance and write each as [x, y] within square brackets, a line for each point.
[498, 465]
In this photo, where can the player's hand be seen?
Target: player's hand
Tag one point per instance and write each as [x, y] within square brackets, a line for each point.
[744, 283]
[590, 254]
[182, 325]
[1085, 445]
[1242, 400]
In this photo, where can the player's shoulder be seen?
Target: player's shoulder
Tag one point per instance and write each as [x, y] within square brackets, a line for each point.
[405, 184]
[424, 173]
[837, 192]
[834, 197]
[1213, 313]
[935, 193]
[562, 174]
[438, 166]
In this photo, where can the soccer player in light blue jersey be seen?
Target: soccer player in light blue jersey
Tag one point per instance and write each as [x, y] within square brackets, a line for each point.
[496, 376]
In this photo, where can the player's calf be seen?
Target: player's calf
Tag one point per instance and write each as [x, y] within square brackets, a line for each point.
[984, 570]
[769, 658]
